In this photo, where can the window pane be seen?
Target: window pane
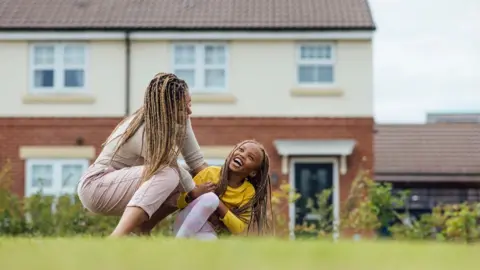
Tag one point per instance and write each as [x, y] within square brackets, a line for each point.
[74, 78]
[214, 54]
[74, 55]
[71, 174]
[43, 78]
[315, 74]
[184, 54]
[188, 75]
[316, 52]
[42, 176]
[43, 55]
[210, 162]
[214, 78]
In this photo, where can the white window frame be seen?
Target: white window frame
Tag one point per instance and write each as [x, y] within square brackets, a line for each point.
[200, 66]
[56, 189]
[58, 69]
[210, 161]
[331, 62]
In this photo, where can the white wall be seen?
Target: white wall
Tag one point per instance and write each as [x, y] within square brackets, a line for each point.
[106, 82]
[261, 77]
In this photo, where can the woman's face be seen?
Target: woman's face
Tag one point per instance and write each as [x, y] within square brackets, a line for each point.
[189, 104]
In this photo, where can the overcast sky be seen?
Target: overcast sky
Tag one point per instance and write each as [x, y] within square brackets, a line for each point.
[426, 58]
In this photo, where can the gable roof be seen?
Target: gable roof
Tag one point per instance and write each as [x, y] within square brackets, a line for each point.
[428, 149]
[186, 14]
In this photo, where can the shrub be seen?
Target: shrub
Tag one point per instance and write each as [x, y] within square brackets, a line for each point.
[459, 223]
[12, 220]
[370, 205]
[40, 215]
[280, 205]
[323, 227]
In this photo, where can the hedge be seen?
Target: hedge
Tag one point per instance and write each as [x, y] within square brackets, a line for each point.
[370, 206]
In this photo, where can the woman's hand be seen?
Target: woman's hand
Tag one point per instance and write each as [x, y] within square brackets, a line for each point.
[200, 190]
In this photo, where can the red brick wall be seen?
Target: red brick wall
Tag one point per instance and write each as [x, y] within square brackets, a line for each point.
[16, 132]
[221, 131]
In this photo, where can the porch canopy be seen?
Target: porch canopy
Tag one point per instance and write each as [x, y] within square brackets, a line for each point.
[315, 148]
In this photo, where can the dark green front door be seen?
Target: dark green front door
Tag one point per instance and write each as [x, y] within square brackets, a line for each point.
[311, 179]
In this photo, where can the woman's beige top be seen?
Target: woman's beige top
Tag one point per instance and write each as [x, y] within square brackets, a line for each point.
[131, 153]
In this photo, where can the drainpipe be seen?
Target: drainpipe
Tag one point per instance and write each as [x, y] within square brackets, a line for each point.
[128, 45]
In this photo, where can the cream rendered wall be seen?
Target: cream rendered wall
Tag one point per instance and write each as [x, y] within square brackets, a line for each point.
[262, 76]
[147, 59]
[105, 80]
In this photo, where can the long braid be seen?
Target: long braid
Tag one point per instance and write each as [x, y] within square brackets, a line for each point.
[259, 203]
[163, 114]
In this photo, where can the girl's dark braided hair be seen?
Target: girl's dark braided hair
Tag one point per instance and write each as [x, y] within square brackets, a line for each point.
[259, 203]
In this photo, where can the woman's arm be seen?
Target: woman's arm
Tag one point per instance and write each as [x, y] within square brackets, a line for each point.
[137, 145]
[186, 179]
[191, 151]
[202, 185]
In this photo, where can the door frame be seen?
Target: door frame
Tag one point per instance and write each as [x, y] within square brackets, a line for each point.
[335, 191]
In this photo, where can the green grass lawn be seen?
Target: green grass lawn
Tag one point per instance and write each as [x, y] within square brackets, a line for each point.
[230, 254]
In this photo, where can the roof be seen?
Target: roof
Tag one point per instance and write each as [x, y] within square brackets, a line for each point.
[186, 14]
[429, 149]
[453, 117]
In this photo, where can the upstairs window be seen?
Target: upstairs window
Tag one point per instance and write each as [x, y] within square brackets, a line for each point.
[202, 66]
[315, 64]
[58, 68]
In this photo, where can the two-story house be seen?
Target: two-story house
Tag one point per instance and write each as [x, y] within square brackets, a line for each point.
[295, 75]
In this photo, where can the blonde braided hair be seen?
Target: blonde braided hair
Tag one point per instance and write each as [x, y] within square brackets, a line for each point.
[164, 115]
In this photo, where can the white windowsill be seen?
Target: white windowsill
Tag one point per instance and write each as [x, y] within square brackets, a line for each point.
[218, 98]
[316, 90]
[58, 98]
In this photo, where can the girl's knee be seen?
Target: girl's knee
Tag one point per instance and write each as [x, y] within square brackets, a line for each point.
[210, 200]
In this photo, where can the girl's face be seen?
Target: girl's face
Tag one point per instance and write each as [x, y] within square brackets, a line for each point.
[246, 159]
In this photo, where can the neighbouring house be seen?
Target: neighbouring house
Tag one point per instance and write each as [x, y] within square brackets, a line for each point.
[295, 75]
[455, 117]
[438, 161]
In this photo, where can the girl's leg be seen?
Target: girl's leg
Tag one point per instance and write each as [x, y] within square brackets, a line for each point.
[118, 193]
[192, 219]
[206, 233]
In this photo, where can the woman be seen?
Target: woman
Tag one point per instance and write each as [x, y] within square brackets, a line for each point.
[241, 198]
[137, 168]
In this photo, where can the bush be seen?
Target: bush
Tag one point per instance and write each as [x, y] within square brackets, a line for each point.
[370, 206]
[280, 206]
[40, 215]
[458, 223]
[324, 226]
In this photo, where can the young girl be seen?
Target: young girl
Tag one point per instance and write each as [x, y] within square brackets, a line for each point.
[240, 199]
